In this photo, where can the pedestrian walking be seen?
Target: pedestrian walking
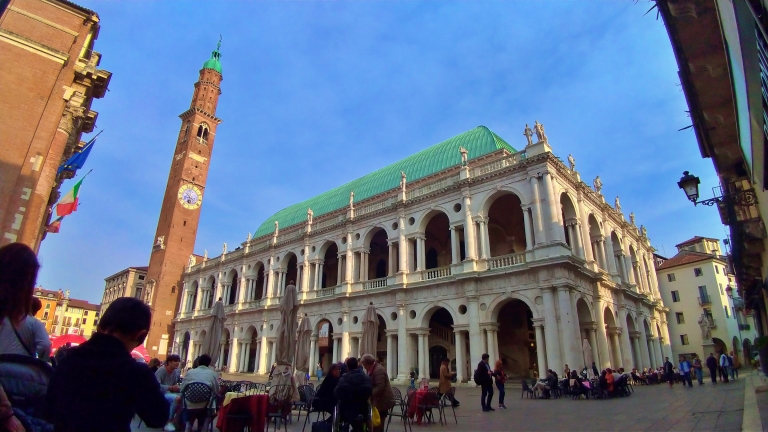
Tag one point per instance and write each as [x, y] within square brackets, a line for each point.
[724, 367]
[484, 378]
[445, 383]
[712, 366]
[731, 366]
[685, 371]
[698, 369]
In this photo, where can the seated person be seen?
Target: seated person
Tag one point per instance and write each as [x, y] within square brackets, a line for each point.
[610, 381]
[168, 377]
[325, 399]
[603, 381]
[353, 391]
[99, 387]
[550, 382]
[638, 378]
[575, 382]
[205, 374]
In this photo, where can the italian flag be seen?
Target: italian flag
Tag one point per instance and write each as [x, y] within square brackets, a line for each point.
[68, 203]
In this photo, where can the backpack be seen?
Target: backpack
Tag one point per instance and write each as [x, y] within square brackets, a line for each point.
[476, 377]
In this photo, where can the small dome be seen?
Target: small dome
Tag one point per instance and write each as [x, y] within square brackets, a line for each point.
[213, 62]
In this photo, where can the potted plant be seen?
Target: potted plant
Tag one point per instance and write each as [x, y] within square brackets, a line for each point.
[762, 349]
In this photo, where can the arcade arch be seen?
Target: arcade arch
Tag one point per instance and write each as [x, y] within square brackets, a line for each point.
[437, 243]
[331, 266]
[506, 225]
[378, 254]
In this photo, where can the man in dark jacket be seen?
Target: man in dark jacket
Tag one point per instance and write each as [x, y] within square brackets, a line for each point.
[353, 391]
[712, 366]
[98, 386]
[485, 379]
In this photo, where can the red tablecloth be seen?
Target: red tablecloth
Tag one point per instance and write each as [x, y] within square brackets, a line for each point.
[416, 400]
[255, 405]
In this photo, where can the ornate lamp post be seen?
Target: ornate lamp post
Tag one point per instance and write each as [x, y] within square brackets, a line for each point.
[690, 185]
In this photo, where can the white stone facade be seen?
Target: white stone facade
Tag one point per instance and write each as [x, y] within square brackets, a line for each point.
[510, 254]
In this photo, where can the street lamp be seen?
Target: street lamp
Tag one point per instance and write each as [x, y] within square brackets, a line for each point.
[690, 185]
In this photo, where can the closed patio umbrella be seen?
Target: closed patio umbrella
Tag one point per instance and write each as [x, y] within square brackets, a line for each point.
[212, 339]
[368, 341]
[286, 328]
[302, 350]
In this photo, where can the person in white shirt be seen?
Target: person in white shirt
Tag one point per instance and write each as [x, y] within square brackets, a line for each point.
[724, 367]
[205, 374]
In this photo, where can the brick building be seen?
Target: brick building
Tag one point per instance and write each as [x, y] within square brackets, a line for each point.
[49, 77]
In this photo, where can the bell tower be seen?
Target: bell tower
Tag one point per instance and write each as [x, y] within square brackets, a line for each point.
[174, 239]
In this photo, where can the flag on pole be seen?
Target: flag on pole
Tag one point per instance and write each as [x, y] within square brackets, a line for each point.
[54, 226]
[77, 160]
[68, 203]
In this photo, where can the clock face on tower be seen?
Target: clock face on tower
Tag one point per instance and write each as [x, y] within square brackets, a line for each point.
[190, 196]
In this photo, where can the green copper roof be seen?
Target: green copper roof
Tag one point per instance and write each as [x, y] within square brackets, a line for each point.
[215, 61]
[478, 141]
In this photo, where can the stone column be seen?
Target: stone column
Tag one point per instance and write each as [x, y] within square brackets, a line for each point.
[602, 340]
[658, 351]
[257, 363]
[489, 345]
[536, 212]
[422, 355]
[220, 360]
[305, 271]
[636, 352]
[337, 348]
[609, 255]
[390, 346]
[246, 356]
[555, 231]
[403, 363]
[667, 348]
[263, 354]
[402, 244]
[593, 342]
[312, 355]
[645, 359]
[585, 235]
[626, 344]
[234, 355]
[475, 337]
[652, 352]
[454, 246]
[391, 259]
[420, 253]
[345, 346]
[551, 337]
[577, 237]
[616, 348]
[567, 328]
[484, 238]
[469, 229]
[349, 259]
[541, 355]
[273, 354]
[528, 229]
[461, 369]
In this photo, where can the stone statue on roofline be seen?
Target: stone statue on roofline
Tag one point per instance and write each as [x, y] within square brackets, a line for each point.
[632, 218]
[464, 153]
[351, 199]
[539, 129]
[643, 231]
[205, 255]
[528, 135]
[598, 185]
[617, 204]
[249, 237]
[572, 162]
[191, 260]
[224, 249]
[402, 181]
[310, 214]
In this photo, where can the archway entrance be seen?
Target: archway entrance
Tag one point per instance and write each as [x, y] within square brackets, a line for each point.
[381, 341]
[441, 340]
[330, 276]
[232, 297]
[517, 339]
[612, 336]
[378, 260]
[224, 343]
[506, 226]
[720, 346]
[252, 356]
[437, 246]
[185, 347]
[324, 345]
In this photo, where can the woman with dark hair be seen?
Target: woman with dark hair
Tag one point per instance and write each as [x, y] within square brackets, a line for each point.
[325, 399]
[18, 273]
[154, 364]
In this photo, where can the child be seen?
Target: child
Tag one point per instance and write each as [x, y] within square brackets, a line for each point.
[413, 378]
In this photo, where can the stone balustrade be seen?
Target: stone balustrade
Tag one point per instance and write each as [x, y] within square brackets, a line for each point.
[506, 261]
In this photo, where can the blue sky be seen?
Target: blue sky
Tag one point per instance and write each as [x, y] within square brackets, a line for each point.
[317, 93]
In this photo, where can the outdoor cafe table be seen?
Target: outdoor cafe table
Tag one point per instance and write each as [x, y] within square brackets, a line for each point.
[415, 401]
[243, 403]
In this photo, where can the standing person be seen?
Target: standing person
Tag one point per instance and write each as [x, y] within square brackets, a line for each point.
[731, 366]
[724, 367]
[501, 378]
[98, 387]
[698, 369]
[566, 371]
[685, 371]
[595, 372]
[381, 395]
[485, 380]
[712, 366]
[669, 371]
[412, 377]
[18, 273]
[168, 377]
[446, 377]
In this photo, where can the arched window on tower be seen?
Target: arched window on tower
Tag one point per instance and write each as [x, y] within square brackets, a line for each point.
[202, 133]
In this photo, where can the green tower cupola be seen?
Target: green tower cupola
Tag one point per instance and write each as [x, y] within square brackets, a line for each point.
[215, 61]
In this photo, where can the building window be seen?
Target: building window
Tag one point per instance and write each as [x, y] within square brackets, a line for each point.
[697, 272]
[721, 289]
[141, 277]
[671, 277]
[727, 314]
[48, 306]
[675, 296]
[684, 339]
[45, 316]
[680, 318]
[85, 320]
[717, 270]
[138, 292]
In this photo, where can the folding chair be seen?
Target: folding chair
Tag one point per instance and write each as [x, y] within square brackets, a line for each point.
[302, 403]
[431, 401]
[402, 404]
[279, 405]
[447, 401]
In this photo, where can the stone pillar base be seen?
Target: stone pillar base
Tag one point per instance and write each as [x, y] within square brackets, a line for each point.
[708, 346]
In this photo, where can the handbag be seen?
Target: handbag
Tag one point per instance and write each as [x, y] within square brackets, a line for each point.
[375, 417]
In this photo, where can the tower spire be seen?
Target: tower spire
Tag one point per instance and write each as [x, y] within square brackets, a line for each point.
[215, 61]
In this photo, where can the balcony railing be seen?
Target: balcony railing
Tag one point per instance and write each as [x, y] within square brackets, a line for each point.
[506, 261]
[431, 187]
[704, 300]
[436, 273]
[326, 292]
[375, 283]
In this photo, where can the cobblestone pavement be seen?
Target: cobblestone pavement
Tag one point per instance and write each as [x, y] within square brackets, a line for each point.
[651, 408]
